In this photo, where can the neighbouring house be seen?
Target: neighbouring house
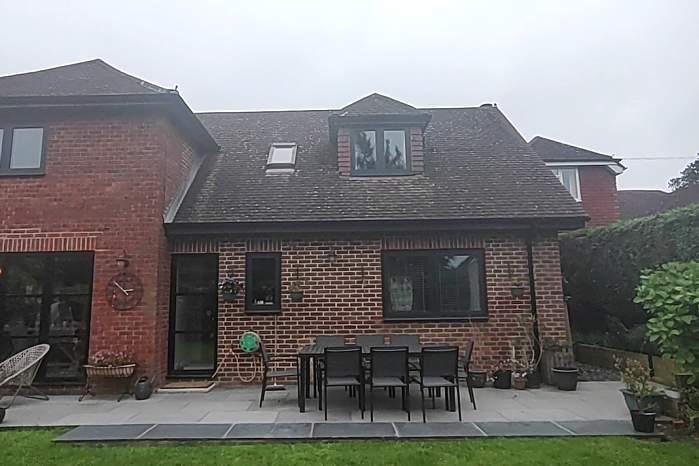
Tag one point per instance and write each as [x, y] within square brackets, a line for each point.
[124, 212]
[635, 203]
[589, 177]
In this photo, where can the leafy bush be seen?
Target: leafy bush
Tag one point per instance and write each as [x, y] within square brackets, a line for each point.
[602, 266]
[670, 295]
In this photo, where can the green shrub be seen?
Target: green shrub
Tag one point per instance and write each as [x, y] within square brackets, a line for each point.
[670, 295]
[602, 266]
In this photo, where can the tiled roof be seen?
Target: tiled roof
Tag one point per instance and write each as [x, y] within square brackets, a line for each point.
[554, 151]
[89, 78]
[476, 167]
[640, 203]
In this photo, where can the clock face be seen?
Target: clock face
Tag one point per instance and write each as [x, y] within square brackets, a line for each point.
[124, 291]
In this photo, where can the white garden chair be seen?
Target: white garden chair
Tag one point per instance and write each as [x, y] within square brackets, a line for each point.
[19, 371]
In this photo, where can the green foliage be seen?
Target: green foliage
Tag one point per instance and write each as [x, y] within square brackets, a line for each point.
[670, 295]
[602, 266]
[688, 176]
[635, 376]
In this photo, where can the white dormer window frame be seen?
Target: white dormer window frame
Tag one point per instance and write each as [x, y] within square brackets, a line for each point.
[569, 176]
[282, 155]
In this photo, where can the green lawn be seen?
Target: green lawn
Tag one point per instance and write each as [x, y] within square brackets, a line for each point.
[35, 448]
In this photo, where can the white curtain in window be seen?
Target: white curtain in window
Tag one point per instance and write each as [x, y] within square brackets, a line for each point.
[569, 178]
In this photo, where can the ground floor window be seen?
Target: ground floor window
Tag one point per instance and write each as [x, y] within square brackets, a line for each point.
[263, 282]
[434, 284]
[193, 314]
[46, 298]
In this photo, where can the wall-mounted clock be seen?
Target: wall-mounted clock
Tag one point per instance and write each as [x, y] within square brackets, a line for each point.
[124, 291]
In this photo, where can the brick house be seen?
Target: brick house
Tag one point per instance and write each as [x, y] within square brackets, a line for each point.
[123, 212]
[589, 176]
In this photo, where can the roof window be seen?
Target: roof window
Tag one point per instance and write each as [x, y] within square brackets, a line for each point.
[282, 155]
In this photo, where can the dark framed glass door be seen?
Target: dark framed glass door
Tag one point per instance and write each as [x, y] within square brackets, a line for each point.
[193, 315]
[46, 298]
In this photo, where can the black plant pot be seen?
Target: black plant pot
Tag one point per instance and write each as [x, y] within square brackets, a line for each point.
[643, 421]
[477, 378]
[565, 378]
[534, 379]
[296, 296]
[2, 414]
[517, 291]
[143, 389]
[228, 297]
[502, 379]
[648, 403]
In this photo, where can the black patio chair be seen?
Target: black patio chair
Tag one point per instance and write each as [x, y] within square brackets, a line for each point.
[268, 374]
[468, 353]
[389, 369]
[324, 341]
[439, 368]
[368, 341]
[343, 368]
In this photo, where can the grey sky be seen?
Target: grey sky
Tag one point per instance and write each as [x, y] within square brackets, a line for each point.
[617, 77]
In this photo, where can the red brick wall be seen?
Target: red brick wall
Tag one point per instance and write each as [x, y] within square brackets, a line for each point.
[599, 195]
[344, 151]
[345, 297]
[104, 191]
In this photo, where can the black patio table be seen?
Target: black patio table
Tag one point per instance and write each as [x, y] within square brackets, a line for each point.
[314, 351]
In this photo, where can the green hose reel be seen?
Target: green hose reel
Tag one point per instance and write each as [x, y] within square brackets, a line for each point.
[250, 342]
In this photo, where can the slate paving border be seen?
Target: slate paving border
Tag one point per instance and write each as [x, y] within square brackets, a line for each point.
[345, 430]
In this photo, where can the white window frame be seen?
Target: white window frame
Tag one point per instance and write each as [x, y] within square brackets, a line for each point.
[556, 169]
[282, 165]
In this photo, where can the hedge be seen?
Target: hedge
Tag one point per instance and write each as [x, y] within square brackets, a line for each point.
[602, 267]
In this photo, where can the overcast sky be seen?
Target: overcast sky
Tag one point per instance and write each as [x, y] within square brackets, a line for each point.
[618, 77]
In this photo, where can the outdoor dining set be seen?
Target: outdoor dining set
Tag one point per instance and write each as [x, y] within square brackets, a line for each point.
[385, 362]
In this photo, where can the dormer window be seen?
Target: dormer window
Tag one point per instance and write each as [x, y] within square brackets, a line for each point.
[282, 156]
[380, 151]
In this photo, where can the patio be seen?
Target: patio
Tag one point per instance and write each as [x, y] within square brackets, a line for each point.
[593, 401]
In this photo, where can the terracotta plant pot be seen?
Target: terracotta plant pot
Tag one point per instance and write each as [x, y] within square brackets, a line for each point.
[477, 377]
[565, 378]
[520, 383]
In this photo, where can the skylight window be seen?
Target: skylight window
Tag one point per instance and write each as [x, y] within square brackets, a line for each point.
[282, 155]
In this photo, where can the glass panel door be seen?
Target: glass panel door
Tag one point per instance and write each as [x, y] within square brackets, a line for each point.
[193, 314]
[46, 298]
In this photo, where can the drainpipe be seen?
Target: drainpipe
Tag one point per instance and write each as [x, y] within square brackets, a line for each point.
[532, 289]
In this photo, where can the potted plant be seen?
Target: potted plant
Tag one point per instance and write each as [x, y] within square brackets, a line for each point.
[529, 354]
[520, 380]
[477, 377]
[230, 289]
[517, 290]
[502, 375]
[638, 393]
[111, 364]
[295, 293]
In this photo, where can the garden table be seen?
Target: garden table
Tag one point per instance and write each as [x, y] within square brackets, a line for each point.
[313, 351]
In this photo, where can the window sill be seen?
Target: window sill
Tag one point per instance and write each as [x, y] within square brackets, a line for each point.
[22, 172]
[436, 319]
[382, 174]
[263, 311]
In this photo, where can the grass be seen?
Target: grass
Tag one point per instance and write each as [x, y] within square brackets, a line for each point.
[34, 447]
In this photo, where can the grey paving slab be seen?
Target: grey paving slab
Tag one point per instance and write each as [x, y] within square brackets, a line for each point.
[186, 432]
[337, 430]
[600, 427]
[104, 433]
[521, 429]
[271, 431]
[234, 417]
[437, 430]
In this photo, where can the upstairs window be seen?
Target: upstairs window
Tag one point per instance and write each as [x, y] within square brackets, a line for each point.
[282, 156]
[21, 151]
[380, 152]
[570, 179]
